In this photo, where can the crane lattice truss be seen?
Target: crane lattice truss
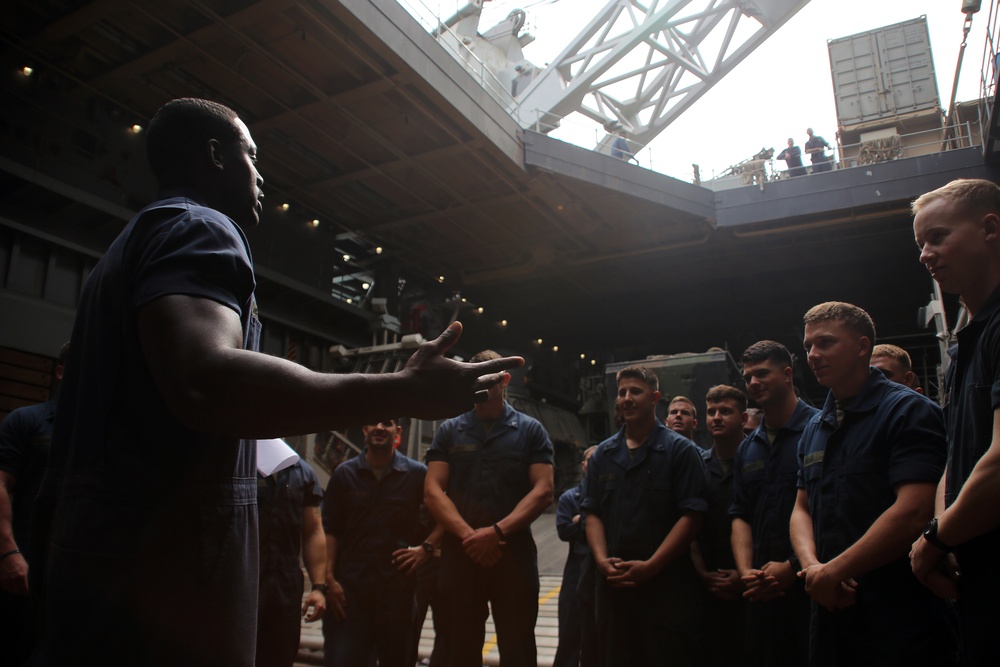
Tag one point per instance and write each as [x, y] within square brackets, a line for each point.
[638, 65]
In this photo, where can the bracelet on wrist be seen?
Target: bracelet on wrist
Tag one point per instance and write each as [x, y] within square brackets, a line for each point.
[10, 553]
[503, 538]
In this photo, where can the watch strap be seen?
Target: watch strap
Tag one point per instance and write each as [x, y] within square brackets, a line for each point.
[930, 534]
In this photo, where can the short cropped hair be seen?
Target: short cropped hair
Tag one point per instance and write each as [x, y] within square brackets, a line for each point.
[854, 317]
[179, 130]
[721, 392]
[639, 373]
[975, 195]
[894, 352]
[485, 355]
[684, 399]
[767, 350]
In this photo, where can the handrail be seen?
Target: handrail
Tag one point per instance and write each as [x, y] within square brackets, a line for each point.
[989, 69]
[486, 78]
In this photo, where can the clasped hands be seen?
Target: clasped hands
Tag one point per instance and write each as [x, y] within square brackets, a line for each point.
[483, 546]
[768, 582]
[935, 569]
[625, 573]
[828, 588]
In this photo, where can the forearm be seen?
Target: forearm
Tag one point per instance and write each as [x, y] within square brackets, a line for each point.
[7, 542]
[314, 556]
[972, 513]
[697, 559]
[445, 513]
[566, 528]
[596, 538]
[891, 535]
[249, 394]
[800, 530]
[677, 542]
[436, 536]
[939, 506]
[193, 348]
[331, 557]
[741, 539]
[529, 509]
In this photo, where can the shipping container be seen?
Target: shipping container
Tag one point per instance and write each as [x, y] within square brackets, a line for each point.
[884, 73]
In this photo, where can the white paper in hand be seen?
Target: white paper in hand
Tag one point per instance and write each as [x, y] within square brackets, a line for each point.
[274, 455]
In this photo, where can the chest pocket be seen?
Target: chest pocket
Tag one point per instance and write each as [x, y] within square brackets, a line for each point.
[507, 465]
[812, 467]
[753, 473]
[359, 498]
[609, 485]
[863, 483]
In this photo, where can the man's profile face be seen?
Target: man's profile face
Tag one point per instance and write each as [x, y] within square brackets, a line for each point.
[952, 244]
[241, 182]
[637, 401]
[725, 419]
[680, 418]
[767, 381]
[834, 351]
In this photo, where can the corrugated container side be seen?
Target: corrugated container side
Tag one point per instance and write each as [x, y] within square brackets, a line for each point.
[883, 73]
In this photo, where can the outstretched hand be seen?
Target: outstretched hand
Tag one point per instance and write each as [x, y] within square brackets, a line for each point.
[444, 387]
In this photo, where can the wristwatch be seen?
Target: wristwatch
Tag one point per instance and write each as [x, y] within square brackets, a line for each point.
[323, 588]
[930, 534]
[793, 560]
[428, 547]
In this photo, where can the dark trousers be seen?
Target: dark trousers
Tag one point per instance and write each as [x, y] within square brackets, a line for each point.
[724, 619]
[17, 628]
[510, 588]
[570, 613]
[978, 608]
[379, 617]
[183, 599]
[884, 628]
[656, 624]
[777, 632]
[426, 597]
[278, 617]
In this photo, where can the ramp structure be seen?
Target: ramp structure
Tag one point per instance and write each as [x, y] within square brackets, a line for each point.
[635, 67]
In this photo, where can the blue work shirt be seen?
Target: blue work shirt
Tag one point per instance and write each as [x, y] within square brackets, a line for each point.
[764, 485]
[139, 491]
[639, 497]
[715, 540]
[567, 529]
[281, 501]
[891, 435]
[488, 473]
[372, 517]
[973, 390]
[25, 437]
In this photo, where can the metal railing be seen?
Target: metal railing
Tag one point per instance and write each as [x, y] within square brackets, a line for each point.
[454, 44]
[577, 130]
[850, 156]
[990, 66]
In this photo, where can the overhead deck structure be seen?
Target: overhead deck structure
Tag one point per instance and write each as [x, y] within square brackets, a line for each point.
[364, 124]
